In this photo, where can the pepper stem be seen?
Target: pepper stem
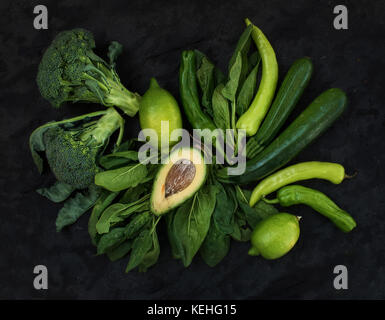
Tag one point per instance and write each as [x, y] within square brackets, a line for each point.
[350, 176]
[272, 201]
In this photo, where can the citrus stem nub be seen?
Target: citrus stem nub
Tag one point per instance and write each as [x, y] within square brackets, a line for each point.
[153, 83]
[253, 252]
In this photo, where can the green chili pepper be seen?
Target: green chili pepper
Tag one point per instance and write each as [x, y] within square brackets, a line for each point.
[252, 118]
[189, 93]
[315, 199]
[333, 172]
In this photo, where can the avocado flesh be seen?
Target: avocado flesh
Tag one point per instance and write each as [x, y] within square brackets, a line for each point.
[178, 180]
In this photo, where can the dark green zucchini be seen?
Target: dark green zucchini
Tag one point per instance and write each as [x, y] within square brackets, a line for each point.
[312, 122]
[291, 90]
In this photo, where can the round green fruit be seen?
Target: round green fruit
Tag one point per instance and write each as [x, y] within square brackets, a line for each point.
[158, 105]
[275, 236]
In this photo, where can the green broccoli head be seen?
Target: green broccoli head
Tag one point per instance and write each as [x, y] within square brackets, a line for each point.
[71, 160]
[62, 66]
[72, 146]
[71, 71]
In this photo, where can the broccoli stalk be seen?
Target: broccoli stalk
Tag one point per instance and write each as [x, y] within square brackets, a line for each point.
[72, 146]
[71, 71]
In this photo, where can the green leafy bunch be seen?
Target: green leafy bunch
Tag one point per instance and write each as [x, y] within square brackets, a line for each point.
[71, 71]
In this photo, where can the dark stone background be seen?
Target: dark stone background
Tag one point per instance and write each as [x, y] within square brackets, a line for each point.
[154, 34]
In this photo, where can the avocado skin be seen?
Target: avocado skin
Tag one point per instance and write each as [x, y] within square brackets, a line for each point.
[177, 202]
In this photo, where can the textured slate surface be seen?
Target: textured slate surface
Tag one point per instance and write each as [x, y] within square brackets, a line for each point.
[154, 34]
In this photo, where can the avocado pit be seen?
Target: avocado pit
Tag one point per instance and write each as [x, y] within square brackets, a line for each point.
[178, 179]
[180, 176]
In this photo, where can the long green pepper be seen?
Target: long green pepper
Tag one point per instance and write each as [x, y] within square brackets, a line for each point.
[296, 194]
[333, 172]
[252, 118]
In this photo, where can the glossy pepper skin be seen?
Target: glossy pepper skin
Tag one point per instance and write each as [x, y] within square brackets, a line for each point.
[189, 93]
[292, 87]
[333, 172]
[310, 124]
[295, 194]
[252, 118]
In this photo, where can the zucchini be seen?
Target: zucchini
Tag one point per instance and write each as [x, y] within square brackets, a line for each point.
[312, 122]
[293, 85]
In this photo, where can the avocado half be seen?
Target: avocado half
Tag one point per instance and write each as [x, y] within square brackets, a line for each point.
[178, 179]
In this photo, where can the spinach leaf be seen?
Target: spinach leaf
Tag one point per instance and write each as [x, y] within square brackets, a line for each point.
[247, 91]
[254, 59]
[219, 77]
[221, 111]
[192, 222]
[223, 215]
[205, 77]
[238, 66]
[199, 55]
[152, 255]
[111, 215]
[264, 210]
[141, 245]
[243, 44]
[241, 232]
[110, 240]
[58, 192]
[36, 145]
[74, 207]
[230, 89]
[137, 223]
[118, 212]
[101, 204]
[122, 178]
[132, 194]
[245, 208]
[176, 248]
[126, 145]
[152, 170]
[215, 246]
[120, 251]
[242, 48]
[118, 159]
[209, 77]
[113, 162]
[253, 215]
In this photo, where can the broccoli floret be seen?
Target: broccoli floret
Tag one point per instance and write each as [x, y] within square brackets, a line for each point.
[71, 160]
[71, 71]
[72, 149]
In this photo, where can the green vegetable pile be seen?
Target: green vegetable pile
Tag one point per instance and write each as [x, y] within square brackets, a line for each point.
[71, 71]
[204, 207]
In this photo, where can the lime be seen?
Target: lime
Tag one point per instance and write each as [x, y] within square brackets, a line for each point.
[158, 105]
[274, 236]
